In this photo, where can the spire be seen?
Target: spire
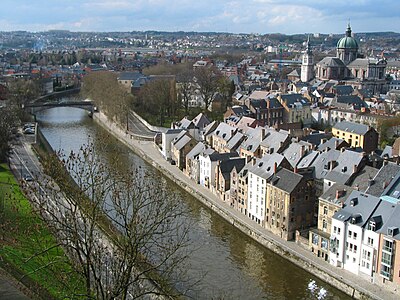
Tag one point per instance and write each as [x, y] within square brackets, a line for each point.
[348, 30]
[308, 47]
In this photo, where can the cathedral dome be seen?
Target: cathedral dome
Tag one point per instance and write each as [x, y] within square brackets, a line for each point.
[347, 42]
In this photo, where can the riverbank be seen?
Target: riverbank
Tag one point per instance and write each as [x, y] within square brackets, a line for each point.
[341, 279]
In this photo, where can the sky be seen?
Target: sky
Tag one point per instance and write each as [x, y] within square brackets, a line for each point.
[240, 16]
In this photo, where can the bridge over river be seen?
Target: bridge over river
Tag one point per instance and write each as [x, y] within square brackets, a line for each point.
[35, 107]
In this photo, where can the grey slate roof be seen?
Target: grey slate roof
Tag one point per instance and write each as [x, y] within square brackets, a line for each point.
[387, 152]
[182, 141]
[294, 152]
[393, 188]
[331, 62]
[285, 180]
[201, 121]
[225, 131]
[344, 168]
[392, 223]
[382, 179]
[234, 142]
[321, 163]
[308, 159]
[199, 148]
[316, 137]
[364, 178]
[227, 166]
[264, 167]
[292, 100]
[352, 127]
[210, 128]
[330, 194]
[274, 139]
[343, 90]
[132, 76]
[351, 100]
[361, 211]
[382, 215]
[215, 156]
[253, 140]
[332, 143]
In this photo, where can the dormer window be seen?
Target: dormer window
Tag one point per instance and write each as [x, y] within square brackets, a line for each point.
[354, 202]
[392, 231]
[371, 225]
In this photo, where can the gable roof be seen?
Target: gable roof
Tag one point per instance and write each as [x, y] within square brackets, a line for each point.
[201, 121]
[264, 167]
[275, 139]
[393, 223]
[285, 180]
[342, 90]
[225, 131]
[344, 168]
[357, 209]
[199, 148]
[295, 100]
[226, 166]
[383, 178]
[356, 128]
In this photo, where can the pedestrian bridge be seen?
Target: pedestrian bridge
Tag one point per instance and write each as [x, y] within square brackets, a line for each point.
[35, 107]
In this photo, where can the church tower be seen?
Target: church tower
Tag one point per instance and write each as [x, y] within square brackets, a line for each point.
[347, 47]
[307, 65]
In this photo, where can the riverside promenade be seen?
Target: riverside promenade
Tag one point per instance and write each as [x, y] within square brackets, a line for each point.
[349, 283]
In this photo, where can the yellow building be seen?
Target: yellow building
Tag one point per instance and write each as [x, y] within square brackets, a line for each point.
[357, 135]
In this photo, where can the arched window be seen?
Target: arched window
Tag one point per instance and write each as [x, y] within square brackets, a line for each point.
[325, 210]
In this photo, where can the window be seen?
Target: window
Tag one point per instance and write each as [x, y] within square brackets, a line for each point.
[355, 235]
[338, 230]
[324, 224]
[350, 234]
[325, 210]
[370, 241]
[334, 229]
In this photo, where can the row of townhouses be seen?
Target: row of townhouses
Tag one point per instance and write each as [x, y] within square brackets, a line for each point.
[333, 192]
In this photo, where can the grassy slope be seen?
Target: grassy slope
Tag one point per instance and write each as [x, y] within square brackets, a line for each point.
[22, 236]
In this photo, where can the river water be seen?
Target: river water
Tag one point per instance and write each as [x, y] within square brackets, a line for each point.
[228, 264]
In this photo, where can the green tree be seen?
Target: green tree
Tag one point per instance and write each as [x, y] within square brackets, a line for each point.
[8, 122]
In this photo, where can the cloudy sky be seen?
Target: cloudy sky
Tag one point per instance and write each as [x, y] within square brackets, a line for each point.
[237, 16]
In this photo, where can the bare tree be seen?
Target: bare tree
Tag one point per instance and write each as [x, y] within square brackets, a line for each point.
[126, 233]
[185, 88]
[207, 81]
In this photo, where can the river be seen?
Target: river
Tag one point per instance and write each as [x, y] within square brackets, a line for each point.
[230, 264]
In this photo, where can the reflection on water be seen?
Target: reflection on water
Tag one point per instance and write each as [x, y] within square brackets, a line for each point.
[228, 264]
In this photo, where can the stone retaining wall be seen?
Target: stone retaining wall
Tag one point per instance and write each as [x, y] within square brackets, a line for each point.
[271, 244]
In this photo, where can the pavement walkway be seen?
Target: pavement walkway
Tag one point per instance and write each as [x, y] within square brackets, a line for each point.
[150, 153]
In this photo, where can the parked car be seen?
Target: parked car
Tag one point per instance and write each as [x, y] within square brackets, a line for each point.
[27, 177]
[29, 130]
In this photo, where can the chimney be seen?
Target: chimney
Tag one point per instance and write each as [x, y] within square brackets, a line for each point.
[332, 165]
[336, 144]
[295, 170]
[340, 193]
[262, 134]
[302, 150]
[275, 167]
[355, 168]
[253, 161]
[342, 149]
[323, 141]
[385, 162]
